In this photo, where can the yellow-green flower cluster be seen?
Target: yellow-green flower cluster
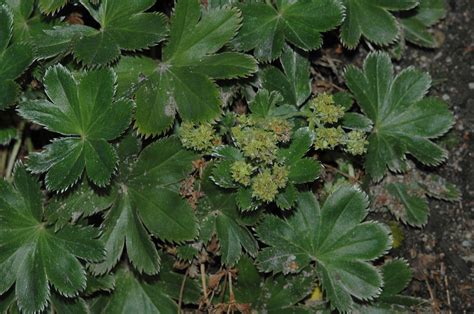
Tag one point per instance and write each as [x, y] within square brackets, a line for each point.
[259, 138]
[266, 184]
[280, 127]
[256, 143]
[241, 172]
[324, 110]
[323, 117]
[200, 137]
[329, 138]
[280, 176]
[356, 143]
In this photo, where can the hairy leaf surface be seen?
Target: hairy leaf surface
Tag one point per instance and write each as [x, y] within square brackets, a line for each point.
[15, 58]
[147, 202]
[416, 27]
[335, 238]
[133, 294]
[266, 27]
[293, 83]
[33, 256]
[183, 82]
[86, 113]
[373, 20]
[404, 121]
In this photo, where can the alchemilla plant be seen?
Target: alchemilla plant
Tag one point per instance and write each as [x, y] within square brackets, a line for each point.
[174, 156]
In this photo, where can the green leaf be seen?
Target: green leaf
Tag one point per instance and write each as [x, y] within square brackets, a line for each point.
[335, 238]
[304, 170]
[415, 208]
[123, 26]
[264, 103]
[183, 81]
[396, 276]
[86, 113]
[69, 306]
[372, 19]
[222, 176]
[277, 294]
[28, 22]
[147, 202]
[405, 195]
[131, 71]
[356, 121]
[7, 135]
[301, 143]
[134, 295]
[404, 122]
[219, 215]
[287, 198]
[80, 202]
[265, 27]
[294, 82]
[51, 6]
[15, 58]
[99, 284]
[33, 254]
[416, 26]
[301, 170]
[58, 40]
[171, 281]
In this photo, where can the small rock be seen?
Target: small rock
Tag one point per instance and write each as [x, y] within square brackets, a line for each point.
[471, 85]
[466, 243]
[446, 97]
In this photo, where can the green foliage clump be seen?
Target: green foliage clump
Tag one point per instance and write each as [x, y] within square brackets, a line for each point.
[175, 156]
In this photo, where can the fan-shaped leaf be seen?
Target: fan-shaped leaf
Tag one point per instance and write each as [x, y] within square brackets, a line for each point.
[33, 254]
[265, 27]
[335, 238]
[85, 112]
[373, 20]
[182, 83]
[147, 201]
[404, 122]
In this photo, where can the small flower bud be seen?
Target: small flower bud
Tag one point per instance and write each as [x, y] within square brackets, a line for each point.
[264, 187]
[328, 138]
[356, 143]
[241, 172]
[201, 137]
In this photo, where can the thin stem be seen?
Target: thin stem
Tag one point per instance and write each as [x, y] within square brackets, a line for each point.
[15, 151]
[341, 172]
[203, 281]
[181, 291]
[231, 293]
[3, 160]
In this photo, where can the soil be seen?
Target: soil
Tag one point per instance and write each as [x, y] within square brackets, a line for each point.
[442, 253]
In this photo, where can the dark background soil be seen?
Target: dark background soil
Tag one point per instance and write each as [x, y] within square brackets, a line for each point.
[442, 252]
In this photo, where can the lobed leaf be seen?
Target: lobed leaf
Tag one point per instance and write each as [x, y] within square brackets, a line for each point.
[147, 202]
[335, 238]
[15, 58]
[33, 254]
[373, 20]
[266, 27]
[403, 121]
[86, 113]
[183, 81]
